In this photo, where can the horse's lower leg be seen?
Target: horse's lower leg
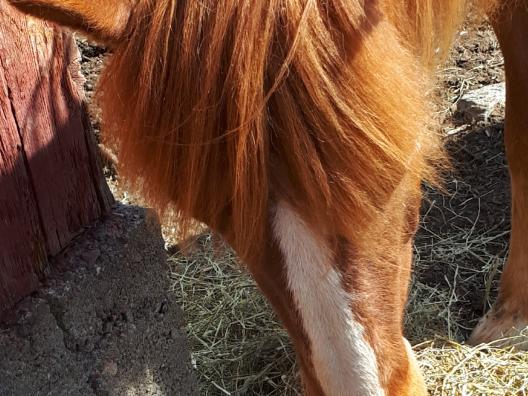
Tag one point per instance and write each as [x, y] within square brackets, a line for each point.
[509, 315]
[270, 274]
[342, 303]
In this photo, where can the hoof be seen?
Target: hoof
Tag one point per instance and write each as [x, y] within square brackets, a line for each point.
[501, 328]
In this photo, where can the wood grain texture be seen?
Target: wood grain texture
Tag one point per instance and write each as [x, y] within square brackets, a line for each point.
[51, 185]
[18, 211]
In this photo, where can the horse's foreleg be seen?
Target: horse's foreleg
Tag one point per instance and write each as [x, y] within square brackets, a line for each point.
[509, 315]
[270, 274]
[342, 304]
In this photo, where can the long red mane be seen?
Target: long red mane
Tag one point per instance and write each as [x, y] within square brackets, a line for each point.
[219, 107]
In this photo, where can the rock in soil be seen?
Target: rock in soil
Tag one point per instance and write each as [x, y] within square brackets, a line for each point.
[478, 105]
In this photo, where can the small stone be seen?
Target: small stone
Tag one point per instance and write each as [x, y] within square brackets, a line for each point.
[87, 346]
[163, 308]
[110, 368]
[108, 327]
[97, 384]
[479, 104]
[129, 317]
[91, 256]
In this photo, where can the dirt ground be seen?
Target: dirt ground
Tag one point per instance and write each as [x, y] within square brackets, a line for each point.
[462, 242]
[104, 322]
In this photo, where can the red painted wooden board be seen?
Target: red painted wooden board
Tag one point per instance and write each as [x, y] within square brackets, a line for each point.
[51, 185]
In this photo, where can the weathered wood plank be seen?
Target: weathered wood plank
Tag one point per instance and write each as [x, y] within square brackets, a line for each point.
[49, 120]
[18, 211]
[51, 184]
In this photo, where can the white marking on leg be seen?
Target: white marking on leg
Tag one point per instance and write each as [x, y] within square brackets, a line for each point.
[344, 362]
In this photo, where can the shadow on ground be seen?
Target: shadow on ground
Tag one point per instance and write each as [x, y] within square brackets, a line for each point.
[462, 242]
[105, 322]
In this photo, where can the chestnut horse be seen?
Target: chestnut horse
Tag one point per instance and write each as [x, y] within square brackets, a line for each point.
[301, 131]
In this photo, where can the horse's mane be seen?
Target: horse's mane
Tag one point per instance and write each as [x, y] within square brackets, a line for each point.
[219, 107]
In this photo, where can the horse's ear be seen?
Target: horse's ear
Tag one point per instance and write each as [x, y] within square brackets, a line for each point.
[104, 20]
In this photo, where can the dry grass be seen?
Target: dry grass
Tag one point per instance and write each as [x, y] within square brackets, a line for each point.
[239, 348]
[454, 369]
[462, 264]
